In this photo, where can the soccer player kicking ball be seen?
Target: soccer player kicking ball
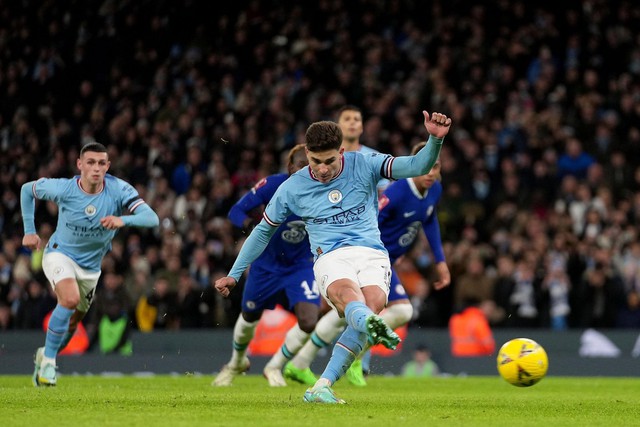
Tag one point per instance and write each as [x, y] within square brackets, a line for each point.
[405, 206]
[337, 199]
[90, 213]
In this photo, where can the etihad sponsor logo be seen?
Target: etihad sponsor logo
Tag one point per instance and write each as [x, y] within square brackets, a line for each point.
[343, 217]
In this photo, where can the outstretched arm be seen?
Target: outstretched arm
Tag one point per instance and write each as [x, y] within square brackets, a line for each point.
[438, 126]
[251, 249]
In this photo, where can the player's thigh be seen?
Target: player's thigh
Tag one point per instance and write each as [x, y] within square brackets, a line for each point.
[375, 271]
[58, 267]
[336, 265]
[262, 291]
[301, 287]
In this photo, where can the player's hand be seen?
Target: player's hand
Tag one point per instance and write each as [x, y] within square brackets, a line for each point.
[444, 276]
[31, 241]
[437, 124]
[224, 285]
[112, 222]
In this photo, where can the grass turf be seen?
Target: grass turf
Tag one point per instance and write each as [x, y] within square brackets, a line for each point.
[191, 401]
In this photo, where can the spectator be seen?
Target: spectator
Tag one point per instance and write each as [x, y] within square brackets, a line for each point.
[158, 309]
[574, 161]
[469, 329]
[109, 327]
[520, 107]
[421, 365]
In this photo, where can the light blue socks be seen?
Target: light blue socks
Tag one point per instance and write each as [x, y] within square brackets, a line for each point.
[58, 325]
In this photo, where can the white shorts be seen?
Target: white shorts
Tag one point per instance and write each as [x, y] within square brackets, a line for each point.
[364, 266]
[57, 266]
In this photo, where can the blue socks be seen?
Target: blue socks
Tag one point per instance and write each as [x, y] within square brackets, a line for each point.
[58, 325]
[349, 345]
[356, 314]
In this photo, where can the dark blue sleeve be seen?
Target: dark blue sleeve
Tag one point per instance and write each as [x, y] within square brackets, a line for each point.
[259, 195]
[431, 229]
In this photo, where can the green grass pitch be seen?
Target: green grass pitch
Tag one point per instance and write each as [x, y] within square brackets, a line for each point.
[390, 402]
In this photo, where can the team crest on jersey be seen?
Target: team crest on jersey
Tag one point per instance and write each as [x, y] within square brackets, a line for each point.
[382, 202]
[296, 232]
[90, 210]
[259, 184]
[335, 196]
[429, 211]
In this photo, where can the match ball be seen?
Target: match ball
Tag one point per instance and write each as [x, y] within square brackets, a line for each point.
[522, 362]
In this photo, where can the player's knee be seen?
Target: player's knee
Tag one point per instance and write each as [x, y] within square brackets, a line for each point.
[307, 323]
[375, 298]
[251, 316]
[69, 301]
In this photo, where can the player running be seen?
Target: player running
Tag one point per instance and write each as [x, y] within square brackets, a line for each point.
[90, 211]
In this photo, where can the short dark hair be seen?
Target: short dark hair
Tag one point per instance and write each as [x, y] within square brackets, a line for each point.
[94, 147]
[347, 107]
[323, 136]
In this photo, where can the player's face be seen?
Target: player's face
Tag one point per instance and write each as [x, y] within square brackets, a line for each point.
[325, 165]
[427, 180]
[93, 167]
[350, 123]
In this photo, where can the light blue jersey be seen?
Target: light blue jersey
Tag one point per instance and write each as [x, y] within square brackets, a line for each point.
[79, 234]
[342, 212]
[383, 183]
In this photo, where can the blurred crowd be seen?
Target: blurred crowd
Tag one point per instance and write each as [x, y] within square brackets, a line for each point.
[540, 214]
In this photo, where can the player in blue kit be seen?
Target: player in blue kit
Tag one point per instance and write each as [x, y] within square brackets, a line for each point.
[283, 274]
[405, 207]
[336, 197]
[90, 211]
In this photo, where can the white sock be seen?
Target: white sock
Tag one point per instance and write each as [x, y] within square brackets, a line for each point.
[293, 342]
[397, 315]
[47, 360]
[321, 383]
[242, 333]
[327, 329]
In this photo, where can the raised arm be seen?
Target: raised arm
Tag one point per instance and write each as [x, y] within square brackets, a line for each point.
[438, 126]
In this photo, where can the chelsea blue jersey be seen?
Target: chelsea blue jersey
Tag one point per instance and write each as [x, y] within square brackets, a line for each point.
[290, 244]
[403, 211]
[79, 234]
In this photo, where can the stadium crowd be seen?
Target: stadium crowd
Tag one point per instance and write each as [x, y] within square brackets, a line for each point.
[540, 213]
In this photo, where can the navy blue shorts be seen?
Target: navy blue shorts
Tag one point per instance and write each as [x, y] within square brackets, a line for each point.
[264, 289]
